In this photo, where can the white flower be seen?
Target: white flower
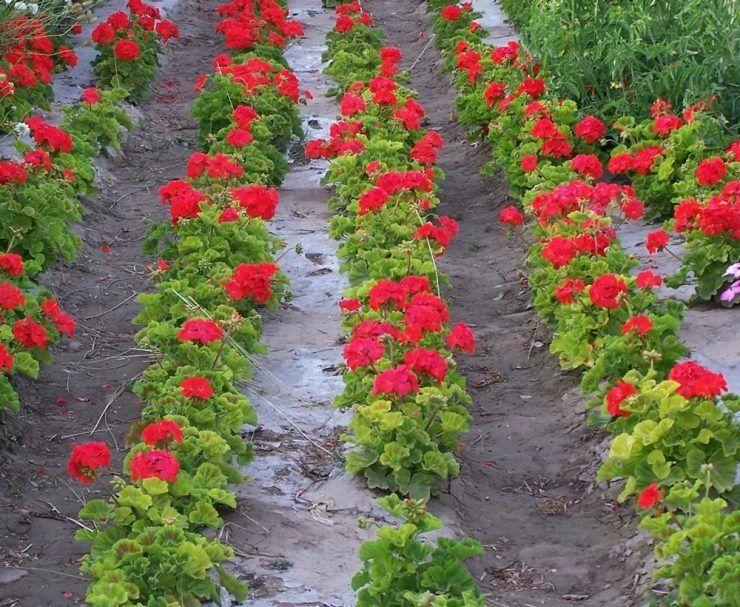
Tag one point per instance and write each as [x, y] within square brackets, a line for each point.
[21, 129]
[33, 8]
[21, 6]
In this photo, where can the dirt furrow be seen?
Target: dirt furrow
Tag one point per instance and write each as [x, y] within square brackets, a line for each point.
[526, 490]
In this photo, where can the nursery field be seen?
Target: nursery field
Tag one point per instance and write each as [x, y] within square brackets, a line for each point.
[379, 304]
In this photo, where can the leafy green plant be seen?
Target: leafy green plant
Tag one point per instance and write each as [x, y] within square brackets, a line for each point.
[616, 58]
[99, 123]
[401, 569]
[697, 538]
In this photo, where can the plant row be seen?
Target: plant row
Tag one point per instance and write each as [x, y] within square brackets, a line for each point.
[32, 48]
[674, 442]
[41, 188]
[401, 382]
[151, 540]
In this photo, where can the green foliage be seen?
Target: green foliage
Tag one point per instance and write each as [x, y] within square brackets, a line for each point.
[147, 544]
[101, 123]
[616, 58]
[697, 539]
[402, 569]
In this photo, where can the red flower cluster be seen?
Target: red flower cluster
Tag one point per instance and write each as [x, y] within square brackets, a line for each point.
[616, 396]
[566, 292]
[184, 200]
[389, 57]
[697, 382]
[87, 459]
[649, 497]
[243, 27]
[30, 334]
[253, 280]
[608, 291]
[63, 322]
[200, 330]
[362, 352]
[257, 200]
[123, 32]
[156, 463]
[48, 135]
[350, 16]
[441, 234]
[196, 387]
[426, 361]
[218, 166]
[163, 432]
[28, 55]
[590, 129]
[343, 140]
[399, 381]
[718, 215]
[425, 150]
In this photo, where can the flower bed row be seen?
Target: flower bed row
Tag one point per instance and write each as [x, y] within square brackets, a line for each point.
[683, 167]
[150, 543]
[400, 377]
[674, 432]
[30, 53]
[40, 193]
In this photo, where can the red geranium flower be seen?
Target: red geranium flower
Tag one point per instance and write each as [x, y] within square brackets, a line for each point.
[196, 387]
[396, 382]
[460, 336]
[649, 497]
[426, 312]
[91, 95]
[6, 359]
[85, 460]
[252, 280]
[657, 241]
[640, 324]
[11, 263]
[10, 296]
[257, 200]
[451, 12]
[559, 251]
[30, 334]
[156, 463]
[529, 163]
[587, 164]
[350, 305]
[590, 129]
[696, 381]
[161, 431]
[126, 50]
[201, 330]
[607, 291]
[362, 352]
[616, 396]
[510, 215]
[647, 279]
[385, 292]
[423, 360]
[566, 292]
[711, 171]
[666, 123]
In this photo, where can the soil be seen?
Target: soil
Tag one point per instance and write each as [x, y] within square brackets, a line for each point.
[91, 373]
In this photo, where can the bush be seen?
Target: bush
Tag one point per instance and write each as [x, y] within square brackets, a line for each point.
[617, 57]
